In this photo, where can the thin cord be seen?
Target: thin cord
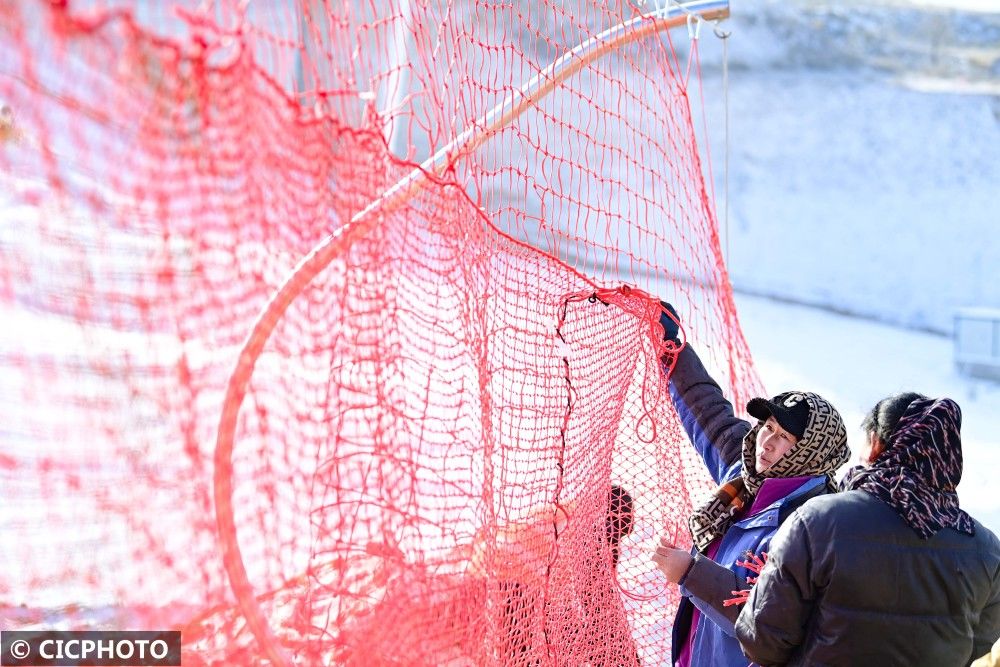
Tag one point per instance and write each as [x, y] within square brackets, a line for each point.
[724, 36]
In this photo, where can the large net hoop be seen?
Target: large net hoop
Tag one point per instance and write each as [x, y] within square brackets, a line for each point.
[445, 228]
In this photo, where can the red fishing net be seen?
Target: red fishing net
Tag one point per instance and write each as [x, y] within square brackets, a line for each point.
[422, 454]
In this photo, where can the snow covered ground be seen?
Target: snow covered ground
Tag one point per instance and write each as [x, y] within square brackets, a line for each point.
[855, 362]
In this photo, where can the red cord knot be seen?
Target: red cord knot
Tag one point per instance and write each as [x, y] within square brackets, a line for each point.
[753, 563]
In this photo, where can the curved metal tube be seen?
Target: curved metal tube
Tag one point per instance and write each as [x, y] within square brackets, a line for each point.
[321, 256]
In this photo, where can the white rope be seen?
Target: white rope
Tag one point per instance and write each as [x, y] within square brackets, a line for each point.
[692, 16]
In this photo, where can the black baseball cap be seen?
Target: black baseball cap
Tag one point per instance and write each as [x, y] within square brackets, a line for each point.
[790, 410]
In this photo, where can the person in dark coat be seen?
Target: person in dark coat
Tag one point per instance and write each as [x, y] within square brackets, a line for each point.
[765, 469]
[891, 571]
[597, 633]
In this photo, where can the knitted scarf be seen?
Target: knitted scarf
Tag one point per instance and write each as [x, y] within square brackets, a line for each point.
[821, 450]
[917, 473]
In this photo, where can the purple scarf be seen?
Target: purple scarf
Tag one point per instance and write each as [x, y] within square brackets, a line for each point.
[917, 473]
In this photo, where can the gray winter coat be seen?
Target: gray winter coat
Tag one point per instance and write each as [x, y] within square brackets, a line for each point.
[849, 583]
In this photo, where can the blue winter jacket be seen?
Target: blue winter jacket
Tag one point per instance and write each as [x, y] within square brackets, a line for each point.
[717, 435]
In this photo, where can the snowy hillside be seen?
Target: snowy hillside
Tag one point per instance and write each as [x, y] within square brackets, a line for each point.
[863, 155]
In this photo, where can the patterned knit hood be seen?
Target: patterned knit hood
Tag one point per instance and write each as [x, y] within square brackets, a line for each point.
[922, 465]
[821, 450]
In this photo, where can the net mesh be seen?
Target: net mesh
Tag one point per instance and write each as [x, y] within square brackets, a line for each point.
[429, 450]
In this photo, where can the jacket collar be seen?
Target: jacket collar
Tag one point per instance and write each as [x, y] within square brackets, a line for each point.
[774, 514]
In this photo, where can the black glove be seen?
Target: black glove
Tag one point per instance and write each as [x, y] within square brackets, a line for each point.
[671, 326]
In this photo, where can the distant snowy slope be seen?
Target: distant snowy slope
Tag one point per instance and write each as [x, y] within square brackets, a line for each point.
[863, 155]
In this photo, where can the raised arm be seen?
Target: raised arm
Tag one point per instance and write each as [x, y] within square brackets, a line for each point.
[708, 418]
